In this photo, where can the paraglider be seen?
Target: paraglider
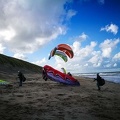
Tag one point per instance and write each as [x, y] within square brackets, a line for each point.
[64, 71]
[62, 50]
[60, 54]
[55, 75]
[3, 82]
[67, 49]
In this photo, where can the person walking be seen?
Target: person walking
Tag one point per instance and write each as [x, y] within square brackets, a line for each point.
[100, 81]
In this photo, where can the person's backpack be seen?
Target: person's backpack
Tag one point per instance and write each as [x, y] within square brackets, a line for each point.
[102, 82]
[24, 78]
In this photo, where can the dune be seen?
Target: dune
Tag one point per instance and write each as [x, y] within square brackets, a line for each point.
[48, 100]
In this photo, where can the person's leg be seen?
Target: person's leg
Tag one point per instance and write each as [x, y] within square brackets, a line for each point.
[98, 86]
[20, 84]
[44, 76]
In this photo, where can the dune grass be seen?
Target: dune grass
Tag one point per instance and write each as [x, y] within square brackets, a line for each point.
[17, 63]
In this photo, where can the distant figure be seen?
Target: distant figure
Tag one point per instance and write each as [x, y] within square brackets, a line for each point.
[44, 75]
[69, 74]
[21, 78]
[100, 81]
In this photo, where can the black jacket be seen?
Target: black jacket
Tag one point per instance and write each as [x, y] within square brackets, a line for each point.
[20, 75]
[100, 80]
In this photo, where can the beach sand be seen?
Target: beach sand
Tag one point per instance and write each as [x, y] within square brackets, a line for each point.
[48, 100]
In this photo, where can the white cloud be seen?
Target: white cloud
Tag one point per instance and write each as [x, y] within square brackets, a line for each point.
[2, 48]
[86, 51]
[96, 59]
[108, 65]
[70, 14]
[7, 34]
[115, 65]
[26, 25]
[80, 52]
[20, 56]
[107, 46]
[76, 47]
[110, 28]
[81, 37]
[42, 62]
[117, 56]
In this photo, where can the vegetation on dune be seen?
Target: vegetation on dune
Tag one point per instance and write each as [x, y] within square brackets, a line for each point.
[14, 64]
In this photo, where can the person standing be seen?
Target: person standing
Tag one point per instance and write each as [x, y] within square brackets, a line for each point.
[21, 77]
[69, 74]
[100, 81]
[44, 75]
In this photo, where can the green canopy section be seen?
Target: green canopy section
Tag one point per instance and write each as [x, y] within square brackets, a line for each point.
[3, 82]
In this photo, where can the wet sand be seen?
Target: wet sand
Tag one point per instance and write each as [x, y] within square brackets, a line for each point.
[47, 100]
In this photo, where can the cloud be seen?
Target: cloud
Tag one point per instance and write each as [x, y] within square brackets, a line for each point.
[20, 56]
[82, 52]
[81, 37]
[108, 65]
[110, 28]
[41, 62]
[2, 48]
[107, 46]
[7, 34]
[115, 65]
[116, 56]
[96, 59]
[87, 50]
[70, 14]
[27, 25]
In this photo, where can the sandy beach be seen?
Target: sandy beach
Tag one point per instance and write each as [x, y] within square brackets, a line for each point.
[48, 100]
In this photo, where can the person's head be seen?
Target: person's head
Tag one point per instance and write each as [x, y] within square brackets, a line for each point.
[97, 73]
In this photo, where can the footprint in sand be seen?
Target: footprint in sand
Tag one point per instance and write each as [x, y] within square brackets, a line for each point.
[19, 95]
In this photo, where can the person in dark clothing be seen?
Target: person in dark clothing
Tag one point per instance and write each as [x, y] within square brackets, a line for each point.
[100, 81]
[44, 75]
[21, 77]
[69, 74]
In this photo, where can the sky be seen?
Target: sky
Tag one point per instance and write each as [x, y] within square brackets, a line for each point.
[30, 29]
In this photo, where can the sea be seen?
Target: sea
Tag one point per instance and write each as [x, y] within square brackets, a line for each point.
[108, 76]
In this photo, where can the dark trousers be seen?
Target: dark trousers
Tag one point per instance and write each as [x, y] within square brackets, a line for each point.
[20, 83]
[98, 86]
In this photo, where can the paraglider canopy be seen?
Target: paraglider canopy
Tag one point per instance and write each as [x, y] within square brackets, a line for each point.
[64, 71]
[62, 50]
[67, 49]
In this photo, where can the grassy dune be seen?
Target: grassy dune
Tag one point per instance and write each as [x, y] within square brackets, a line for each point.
[12, 64]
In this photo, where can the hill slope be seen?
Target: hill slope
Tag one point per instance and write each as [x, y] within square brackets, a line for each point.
[12, 65]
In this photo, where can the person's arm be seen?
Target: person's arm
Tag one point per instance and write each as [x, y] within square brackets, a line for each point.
[94, 79]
